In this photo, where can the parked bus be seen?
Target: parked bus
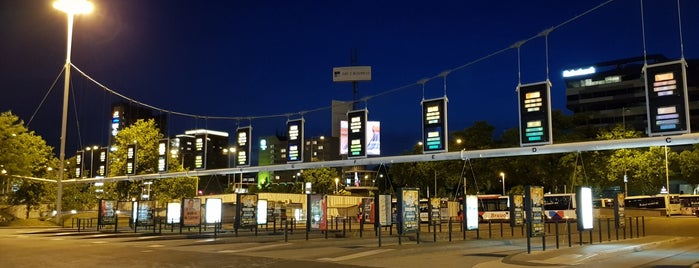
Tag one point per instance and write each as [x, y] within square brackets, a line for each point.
[493, 207]
[689, 204]
[560, 207]
[668, 203]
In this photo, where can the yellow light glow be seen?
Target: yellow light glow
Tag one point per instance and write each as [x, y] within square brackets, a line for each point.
[73, 6]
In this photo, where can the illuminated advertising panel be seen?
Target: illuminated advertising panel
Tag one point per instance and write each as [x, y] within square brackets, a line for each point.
[471, 211]
[385, 210]
[318, 212]
[79, 165]
[131, 159]
[107, 212]
[435, 210]
[144, 214]
[246, 208]
[163, 155]
[102, 162]
[516, 210]
[666, 98]
[173, 213]
[243, 139]
[434, 125]
[534, 207]
[213, 210]
[584, 208]
[535, 113]
[619, 216]
[373, 136]
[191, 212]
[356, 134]
[294, 128]
[262, 211]
[407, 210]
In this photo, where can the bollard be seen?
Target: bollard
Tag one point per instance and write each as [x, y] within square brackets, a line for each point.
[609, 231]
[490, 230]
[631, 227]
[449, 229]
[599, 225]
[637, 233]
[286, 231]
[643, 220]
[501, 231]
[344, 230]
[557, 245]
[570, 241]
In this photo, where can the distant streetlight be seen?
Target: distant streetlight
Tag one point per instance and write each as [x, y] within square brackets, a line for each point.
[337, 181]
[71, 8]
[502, 174]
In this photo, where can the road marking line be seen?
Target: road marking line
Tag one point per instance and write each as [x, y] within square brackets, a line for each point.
[356, 255]
[99, 242]
[252, 248]
[155, 246]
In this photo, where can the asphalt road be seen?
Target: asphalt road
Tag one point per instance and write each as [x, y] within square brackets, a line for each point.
[669, 242]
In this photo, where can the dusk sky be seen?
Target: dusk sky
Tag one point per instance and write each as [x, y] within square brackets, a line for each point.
[252, 59]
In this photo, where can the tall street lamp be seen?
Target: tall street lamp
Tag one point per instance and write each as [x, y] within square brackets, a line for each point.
[71, 8]
[502, 174]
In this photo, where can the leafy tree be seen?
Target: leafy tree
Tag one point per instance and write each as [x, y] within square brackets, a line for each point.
[688, 164]
[22, 153]
[322, 179]
[145, 135]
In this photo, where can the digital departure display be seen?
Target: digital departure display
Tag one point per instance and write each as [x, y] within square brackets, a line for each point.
[357, 133]
[666, 95]
[434, 127]
[295, 144]
[102, 162]
[244, 138]
[163, 155]
[535, 113]
[79, 164]
[131, 159]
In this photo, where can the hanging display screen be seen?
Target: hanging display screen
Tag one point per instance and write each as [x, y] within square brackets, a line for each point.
[666, 95]
[244, 138]
[295, 145]
[356, 136]
[434, 125]
[535, 113]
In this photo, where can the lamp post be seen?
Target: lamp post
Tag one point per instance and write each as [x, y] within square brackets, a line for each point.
[71, 8]
[502, 174]
[337, 181]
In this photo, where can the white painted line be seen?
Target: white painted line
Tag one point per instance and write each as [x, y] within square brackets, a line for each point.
[356, 255]
[99, 242]
[155, 246]
[206, 240]
[252, 248]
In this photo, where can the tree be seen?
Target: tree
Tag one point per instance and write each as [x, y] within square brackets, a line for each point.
[22, 153]
[322, 179]
[146, 136]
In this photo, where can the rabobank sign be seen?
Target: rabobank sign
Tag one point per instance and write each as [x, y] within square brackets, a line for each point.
[352, 74]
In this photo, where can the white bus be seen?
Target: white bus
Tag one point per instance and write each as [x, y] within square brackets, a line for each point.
[668, 203]
[493, 207]
[560, 207]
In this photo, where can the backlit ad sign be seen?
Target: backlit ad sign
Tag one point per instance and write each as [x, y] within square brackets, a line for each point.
[262, 211]
[534, 207]
[584, 208]
[434, 125]
[435, 210]
[318, 212]
[213, 210]
[163, 155]
[373, 137]
[294, 128]
[191, 212]
[107, 212]
[471, 212]
[243, 139]
[173, 213]
[356, 134]
[516, 210]
[144, 214]
[619, 216]
[535, 113]
[666, 98]
[131, 159]
[407, 210]
[246, 206]
[385, 211]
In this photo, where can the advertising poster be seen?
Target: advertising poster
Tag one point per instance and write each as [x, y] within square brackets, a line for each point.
[173, 213]
[367, 210]
[408, 210]
[107, 212]
[471, 212]
[584, 208]
[534, 206]
[435, 210]
[191, 215]
[516, 210]
[385, 210]
[262, 211]
[145, 213]
[247, 208]
[317, 217]
[213, 210]
[619, 217]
